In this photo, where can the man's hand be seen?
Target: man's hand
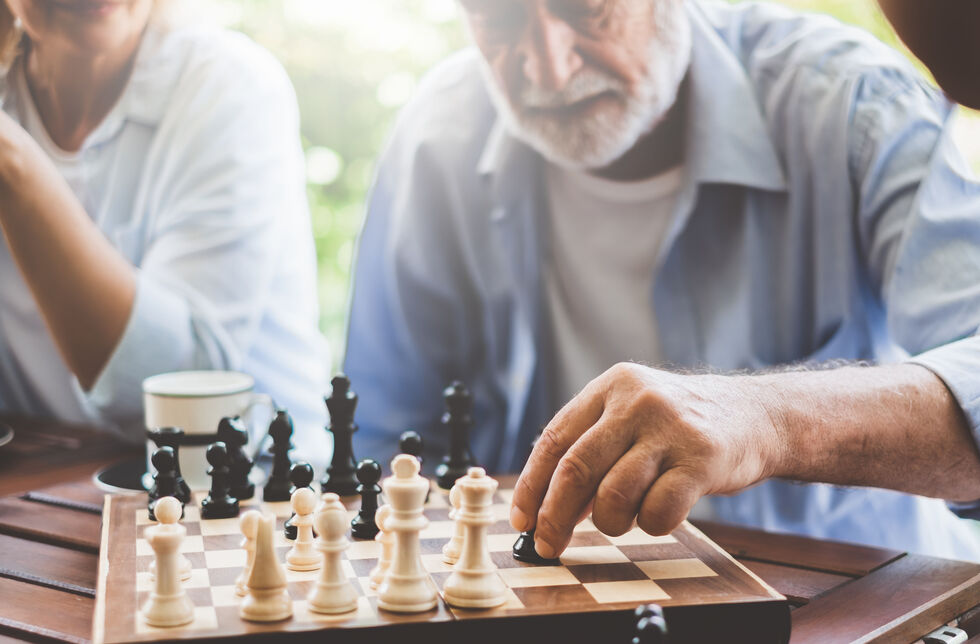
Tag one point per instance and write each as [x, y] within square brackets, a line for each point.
[644, 444]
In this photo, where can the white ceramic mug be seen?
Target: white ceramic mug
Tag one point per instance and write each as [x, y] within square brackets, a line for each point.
[196, 401]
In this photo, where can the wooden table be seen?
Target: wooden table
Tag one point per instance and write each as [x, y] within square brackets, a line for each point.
[50, 520]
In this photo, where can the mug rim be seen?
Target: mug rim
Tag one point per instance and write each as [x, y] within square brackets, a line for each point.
[157, 385]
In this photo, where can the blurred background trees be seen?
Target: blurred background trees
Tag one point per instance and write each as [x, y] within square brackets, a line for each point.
[354, 64]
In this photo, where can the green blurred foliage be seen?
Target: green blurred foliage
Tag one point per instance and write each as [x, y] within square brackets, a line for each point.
[353, 65]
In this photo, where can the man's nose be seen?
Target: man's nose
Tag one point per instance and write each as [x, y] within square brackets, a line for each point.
[549, 55]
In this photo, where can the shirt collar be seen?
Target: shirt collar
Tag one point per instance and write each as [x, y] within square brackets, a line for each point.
[727, 137]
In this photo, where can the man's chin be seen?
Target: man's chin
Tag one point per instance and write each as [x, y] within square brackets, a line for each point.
[576, 147]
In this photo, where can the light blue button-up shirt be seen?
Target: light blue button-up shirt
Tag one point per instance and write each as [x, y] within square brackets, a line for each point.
[825, 215]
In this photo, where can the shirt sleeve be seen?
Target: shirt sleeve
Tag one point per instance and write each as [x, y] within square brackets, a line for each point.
[225, 179]
[919, 226]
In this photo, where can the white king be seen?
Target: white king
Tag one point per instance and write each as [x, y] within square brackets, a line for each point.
[474, 582]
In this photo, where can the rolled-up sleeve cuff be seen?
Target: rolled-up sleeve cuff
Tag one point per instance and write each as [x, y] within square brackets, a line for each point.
[158, 338]
[958, 365]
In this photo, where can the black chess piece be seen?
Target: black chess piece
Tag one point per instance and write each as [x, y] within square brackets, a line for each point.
[218, 504]
[651, 627]
[457, 420]
[524, 551]
[340, 476]
[165, 480]
[232, 432]
[281, 431]
[171, 437]
[363, 525]
[301, 475]
[411, 443]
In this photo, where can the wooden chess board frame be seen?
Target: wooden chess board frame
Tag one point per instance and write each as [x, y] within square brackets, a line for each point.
[600, 581]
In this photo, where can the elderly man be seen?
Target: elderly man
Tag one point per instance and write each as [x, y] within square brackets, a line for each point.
[767, 202]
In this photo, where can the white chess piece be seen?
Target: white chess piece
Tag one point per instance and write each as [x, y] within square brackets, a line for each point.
[303, 556]
[386, 542]
[406, 587]
[474, 582]
[453, 547]
[267, 599]
[250, 527]
[168, 604]
[333, 592]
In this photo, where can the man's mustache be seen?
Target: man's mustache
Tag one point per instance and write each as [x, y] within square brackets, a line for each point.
[584, 85]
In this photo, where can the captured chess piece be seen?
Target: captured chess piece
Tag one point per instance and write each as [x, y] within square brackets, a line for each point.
[232, 432]
[340, 475]
[171, 437]
[406, 587]
[458, 421]
[363, 525]
[168, 604]
[474, 582]
[165, 481]
[281, 430]
[333, 592]
[267, 599]
[524, 551]
[651, 627]
[300, 475]
[302, 556]
[218, 504]
[411, 443]
[250, 529]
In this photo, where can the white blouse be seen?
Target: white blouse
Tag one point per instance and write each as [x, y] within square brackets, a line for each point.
[196, 176]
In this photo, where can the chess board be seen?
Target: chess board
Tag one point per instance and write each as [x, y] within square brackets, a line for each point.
[598, 583]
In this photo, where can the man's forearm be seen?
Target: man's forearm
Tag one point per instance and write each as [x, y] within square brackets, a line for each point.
[895, 427]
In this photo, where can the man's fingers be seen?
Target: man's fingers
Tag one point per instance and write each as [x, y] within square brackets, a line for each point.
[565, 428]
[574, 484]
[669, 501]
[622, 490]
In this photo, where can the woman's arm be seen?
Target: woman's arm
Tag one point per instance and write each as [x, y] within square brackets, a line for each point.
[83, 287]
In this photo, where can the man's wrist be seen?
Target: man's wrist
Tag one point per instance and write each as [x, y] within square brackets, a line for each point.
[773, 437]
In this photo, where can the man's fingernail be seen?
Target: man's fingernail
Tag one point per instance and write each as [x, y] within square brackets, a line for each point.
[518, 520]
[544, 549]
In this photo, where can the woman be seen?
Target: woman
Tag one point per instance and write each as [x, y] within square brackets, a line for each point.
[153, 214]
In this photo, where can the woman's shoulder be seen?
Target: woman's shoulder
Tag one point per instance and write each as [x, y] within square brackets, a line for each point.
[193, 60]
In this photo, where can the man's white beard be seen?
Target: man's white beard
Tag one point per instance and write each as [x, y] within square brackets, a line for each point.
[600, 138]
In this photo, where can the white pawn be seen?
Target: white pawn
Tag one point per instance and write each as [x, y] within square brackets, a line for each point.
[267, 599]
[386, 540]
[250, 528]
[303, 556]
[474, 582]
[453, 547]
[406, 587]
[168, 604]
[333, 593]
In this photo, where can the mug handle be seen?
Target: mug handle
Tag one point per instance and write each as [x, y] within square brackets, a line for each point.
[258, 400]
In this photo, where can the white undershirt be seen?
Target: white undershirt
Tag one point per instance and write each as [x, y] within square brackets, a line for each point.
[605, 240]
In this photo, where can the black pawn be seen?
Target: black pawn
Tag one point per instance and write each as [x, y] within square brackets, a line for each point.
[524, 551]
[164, 481]
[301, 475]
[340, 475]
[457, 420]
[363, 525]
[651, 627]
[281, 431]
[171, 437]
[232, 432]
[411, 443]
[218, 504]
